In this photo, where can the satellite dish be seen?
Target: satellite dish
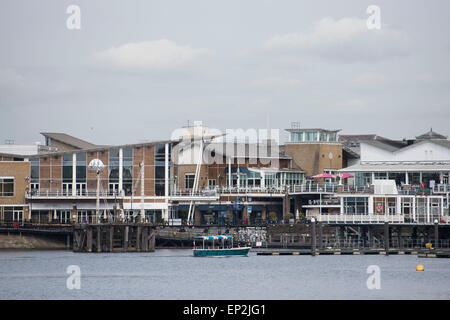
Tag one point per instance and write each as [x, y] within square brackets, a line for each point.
[96, 164]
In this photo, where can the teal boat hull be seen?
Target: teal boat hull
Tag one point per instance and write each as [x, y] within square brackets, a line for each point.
[221, 252]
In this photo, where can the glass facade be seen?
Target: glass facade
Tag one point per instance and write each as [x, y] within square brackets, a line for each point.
[67, 174]
[356, 205]
[34, 174]
[363, 179]
[429, 177]
[81, 167]
[113, 167]
[127, 171]
[310, 136]
[160, 161]
[414, 178]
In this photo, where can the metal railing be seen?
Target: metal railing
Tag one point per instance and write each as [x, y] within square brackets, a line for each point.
[377, 218]
[65, 193]
[441, 188]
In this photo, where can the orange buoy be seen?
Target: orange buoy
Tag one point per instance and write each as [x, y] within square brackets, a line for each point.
[420, 267]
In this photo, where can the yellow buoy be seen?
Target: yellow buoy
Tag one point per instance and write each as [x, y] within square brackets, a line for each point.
[420, 267]
[428, 245]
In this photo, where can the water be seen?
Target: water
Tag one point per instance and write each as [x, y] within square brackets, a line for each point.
[175, 274]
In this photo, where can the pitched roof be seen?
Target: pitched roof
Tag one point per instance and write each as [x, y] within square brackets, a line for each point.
[69, 140]
[431, 135]
[356, 137]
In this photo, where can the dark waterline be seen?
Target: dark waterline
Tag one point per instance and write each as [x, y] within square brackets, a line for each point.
[175, 274]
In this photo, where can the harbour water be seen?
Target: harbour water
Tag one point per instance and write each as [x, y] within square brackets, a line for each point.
[175, 274]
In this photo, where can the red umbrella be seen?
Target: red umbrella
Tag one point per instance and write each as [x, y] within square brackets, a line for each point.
[324, 175]
[346, 175]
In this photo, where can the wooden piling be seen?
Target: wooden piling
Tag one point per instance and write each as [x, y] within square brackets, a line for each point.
[89, 239]
[313, 237]
[111, 238]
[68, 241]
[138, 238]
[386, 237]
[436, 235]
[152, 239]
[99, 239]
[320, 235]
[125, 238]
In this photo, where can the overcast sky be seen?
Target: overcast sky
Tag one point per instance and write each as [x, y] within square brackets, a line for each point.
[137, 70]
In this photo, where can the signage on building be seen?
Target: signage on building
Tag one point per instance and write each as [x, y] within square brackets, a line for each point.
[379, 206]
[249, 209]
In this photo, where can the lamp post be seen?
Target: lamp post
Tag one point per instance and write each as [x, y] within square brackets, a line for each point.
[98, 166]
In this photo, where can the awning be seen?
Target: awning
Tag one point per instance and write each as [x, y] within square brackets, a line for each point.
[242, 170]
[147, 205]
[51, 206]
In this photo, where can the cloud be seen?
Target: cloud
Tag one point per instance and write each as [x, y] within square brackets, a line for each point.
[275, 82]
[347, 40]
[351, 105]
[151, 55]
[10, 78]
[370, 79]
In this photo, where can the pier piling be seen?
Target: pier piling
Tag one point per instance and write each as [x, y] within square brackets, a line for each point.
[386, 237]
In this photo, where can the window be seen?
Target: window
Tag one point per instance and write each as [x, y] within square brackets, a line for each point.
[310, 136]
[332, 137]
[67, 173]
[392, 206]
[114, 188]
[189, 180]
[381, 175]
[127, 170]
[211, 182]
[363, 179]
[296, 136]
[356, 205]
[113, 165]
[323, 136]
[414, 178]
[34, 187]
[81, 167]
[160, 170]
[6, 187]
[34, 164]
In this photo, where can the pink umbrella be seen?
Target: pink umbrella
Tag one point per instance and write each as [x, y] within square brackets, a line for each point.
[324, 175]
[346, 175]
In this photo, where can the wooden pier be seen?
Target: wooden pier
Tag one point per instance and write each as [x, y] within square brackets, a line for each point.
[421, 253]
[113, 238]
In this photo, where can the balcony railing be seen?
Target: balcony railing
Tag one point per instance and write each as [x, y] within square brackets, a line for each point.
[303, 188]
[441, 188]
[376, 218]
[68, 194]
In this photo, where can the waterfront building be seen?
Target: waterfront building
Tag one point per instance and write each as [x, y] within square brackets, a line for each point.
[398, 181]
[201, 177]
[14, 183]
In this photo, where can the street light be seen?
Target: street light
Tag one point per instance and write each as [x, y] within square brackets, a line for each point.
[98, 166]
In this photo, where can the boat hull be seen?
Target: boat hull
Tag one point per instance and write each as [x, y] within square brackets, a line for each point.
[221, 252]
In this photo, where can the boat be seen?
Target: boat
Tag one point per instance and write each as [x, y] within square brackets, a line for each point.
[222, 248]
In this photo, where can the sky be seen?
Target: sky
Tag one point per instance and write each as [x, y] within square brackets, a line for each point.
[137, 70]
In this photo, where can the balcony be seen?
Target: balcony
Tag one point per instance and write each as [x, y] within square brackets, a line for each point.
[441, 188]
[64, 194]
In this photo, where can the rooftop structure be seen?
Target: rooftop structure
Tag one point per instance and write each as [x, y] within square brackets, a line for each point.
[431, 135]
[65, 142]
